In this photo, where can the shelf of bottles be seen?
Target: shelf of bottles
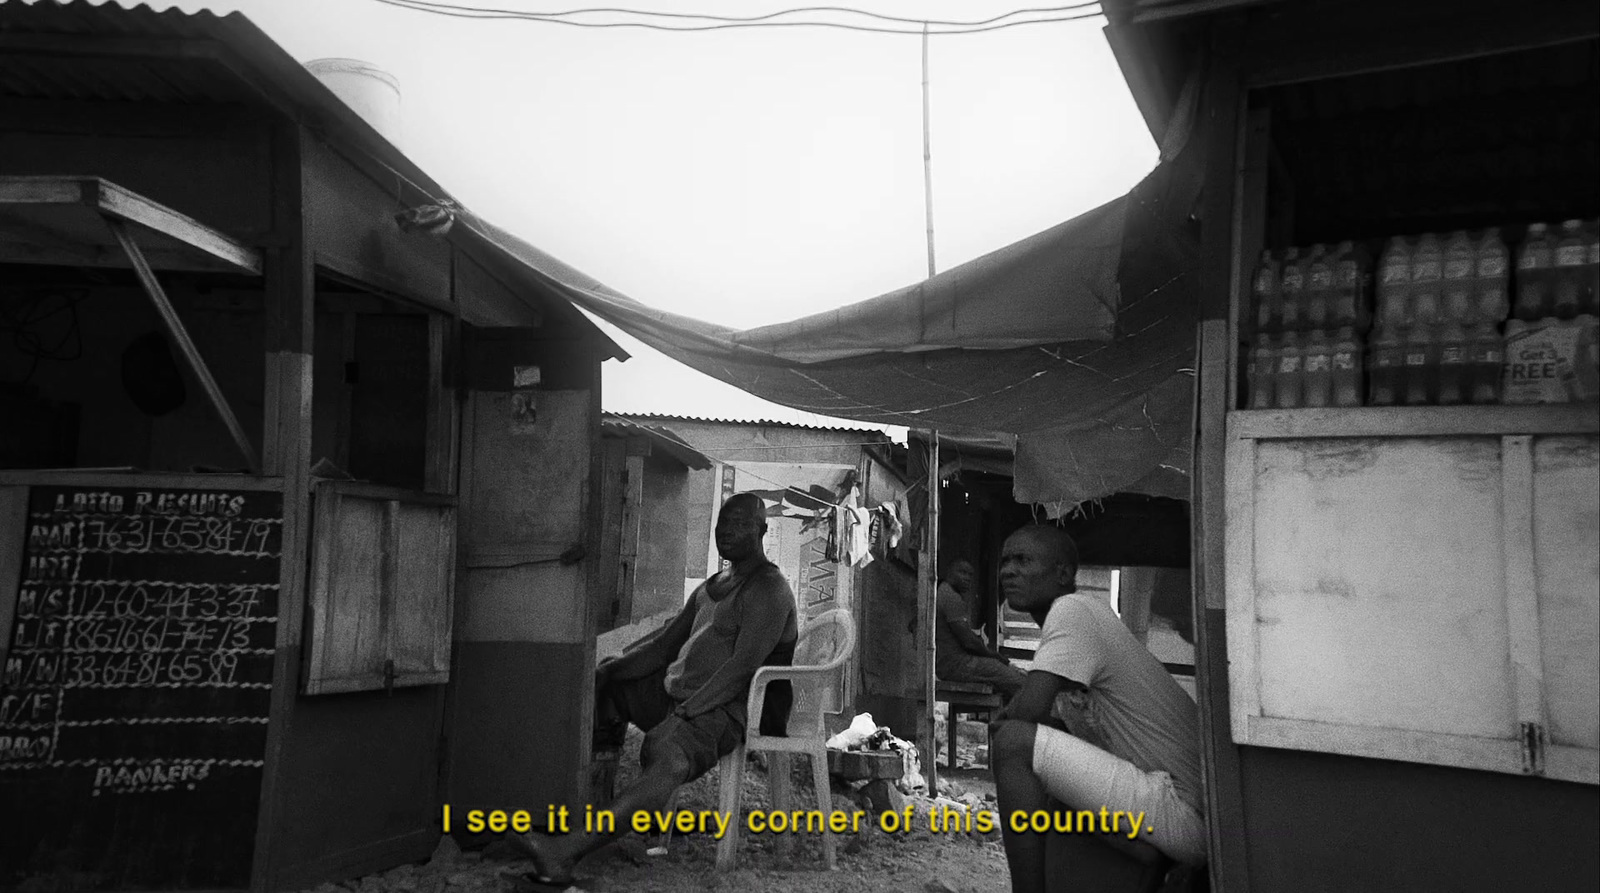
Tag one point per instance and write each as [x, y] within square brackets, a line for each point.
[1453, 319]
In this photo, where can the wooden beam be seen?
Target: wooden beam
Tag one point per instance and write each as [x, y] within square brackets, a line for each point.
[927, 597]
[1522, 599]
[1219, 128]
[1414, 421]
[186, 346]
[1249, 232]
[287, 321]
[114, 201]
[632, 518]
[1306, 42]
[587, 591]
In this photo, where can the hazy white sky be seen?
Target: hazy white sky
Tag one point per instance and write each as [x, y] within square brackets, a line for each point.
[746, 176]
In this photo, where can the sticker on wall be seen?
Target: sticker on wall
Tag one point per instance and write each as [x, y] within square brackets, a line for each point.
[525, 376]
[524, 411]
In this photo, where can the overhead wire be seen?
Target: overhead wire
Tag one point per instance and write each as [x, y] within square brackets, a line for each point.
[1078, 11]
[647, 13]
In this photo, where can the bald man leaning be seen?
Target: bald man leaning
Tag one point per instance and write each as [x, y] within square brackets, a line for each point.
[686, 683]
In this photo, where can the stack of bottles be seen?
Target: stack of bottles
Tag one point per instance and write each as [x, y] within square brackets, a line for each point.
[1551, 349]
[1441, 304]
[1312, 310]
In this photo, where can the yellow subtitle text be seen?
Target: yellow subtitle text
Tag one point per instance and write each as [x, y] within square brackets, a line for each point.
[557, 819]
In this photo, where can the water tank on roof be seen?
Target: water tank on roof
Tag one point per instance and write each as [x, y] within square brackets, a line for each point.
[373, 93]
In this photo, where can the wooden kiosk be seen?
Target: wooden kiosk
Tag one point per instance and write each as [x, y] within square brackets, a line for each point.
[296, 535]
[1398, 608]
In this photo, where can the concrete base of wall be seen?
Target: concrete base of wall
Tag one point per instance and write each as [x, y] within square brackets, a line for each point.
[1320, 822]
[514, 741]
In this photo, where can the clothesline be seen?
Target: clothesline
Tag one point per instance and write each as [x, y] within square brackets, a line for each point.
[842, 509]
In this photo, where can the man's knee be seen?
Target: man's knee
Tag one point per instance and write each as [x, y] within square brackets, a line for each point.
[1013, 742]
[666, 759]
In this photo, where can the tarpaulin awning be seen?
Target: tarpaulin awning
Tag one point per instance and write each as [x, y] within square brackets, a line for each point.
[1079, 341]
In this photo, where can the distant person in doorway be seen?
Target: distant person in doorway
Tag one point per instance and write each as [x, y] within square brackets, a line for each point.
[1150, 766]
[686, 684]
[959, 654]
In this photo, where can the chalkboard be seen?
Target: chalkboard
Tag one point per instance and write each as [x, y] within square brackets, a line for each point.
[134, 696]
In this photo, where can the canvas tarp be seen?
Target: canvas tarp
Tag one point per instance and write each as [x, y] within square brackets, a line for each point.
[1077, 341]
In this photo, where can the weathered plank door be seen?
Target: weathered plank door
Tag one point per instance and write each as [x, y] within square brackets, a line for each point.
[523, 673]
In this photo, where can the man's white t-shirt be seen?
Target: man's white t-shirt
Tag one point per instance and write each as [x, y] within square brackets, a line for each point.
[1142, 713]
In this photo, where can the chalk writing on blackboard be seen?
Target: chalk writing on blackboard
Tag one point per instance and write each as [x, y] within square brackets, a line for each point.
[198, 614]
[135, 692]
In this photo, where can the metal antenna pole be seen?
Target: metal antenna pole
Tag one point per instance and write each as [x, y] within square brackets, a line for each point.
[927, 152]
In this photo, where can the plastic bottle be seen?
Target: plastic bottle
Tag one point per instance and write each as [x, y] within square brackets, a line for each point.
[1287, 385]
[1493, 300]
[1457, 291]
[1421, 364]
[1485, 357]
[1388, 364]
[1262, 371]
[1452, 386]
[1394, 284]
[1291, 289]
[1568, 275]
[1586, 357]
[1346, 368]
[1527, 365]
[1319, 289]
[1349, 279]
[1427, 274]
[1317, 374]
[1535, 257]
[1265, 295]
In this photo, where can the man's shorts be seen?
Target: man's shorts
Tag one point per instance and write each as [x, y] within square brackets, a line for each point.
[702, 740]
[1082, 776]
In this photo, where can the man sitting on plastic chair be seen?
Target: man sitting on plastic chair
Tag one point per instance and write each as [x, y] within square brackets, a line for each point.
[686, 684]
[1147, 776]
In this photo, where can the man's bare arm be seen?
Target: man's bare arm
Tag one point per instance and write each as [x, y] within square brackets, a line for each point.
[1036, 700]
[953, 614]
[654, 651]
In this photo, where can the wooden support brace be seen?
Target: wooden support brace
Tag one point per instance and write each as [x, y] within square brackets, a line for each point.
[197, 364]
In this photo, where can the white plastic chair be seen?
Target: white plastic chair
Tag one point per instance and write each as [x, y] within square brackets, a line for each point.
[824, 646]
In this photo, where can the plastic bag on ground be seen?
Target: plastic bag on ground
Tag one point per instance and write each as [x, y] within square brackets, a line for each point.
[861, 728]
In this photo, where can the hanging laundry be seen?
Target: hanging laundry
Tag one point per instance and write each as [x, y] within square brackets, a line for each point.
[836, 532]
[886, 530]
[860, 543]
[847, 534]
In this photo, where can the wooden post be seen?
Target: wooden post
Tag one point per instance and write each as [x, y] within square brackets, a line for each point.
[927, 592]
[288, 315]
[1220, 124]
[927, 151]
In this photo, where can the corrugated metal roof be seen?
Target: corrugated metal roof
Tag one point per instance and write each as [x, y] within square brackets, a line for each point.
[769, 423]
[660, 438]
[171, 56]
[138, 72]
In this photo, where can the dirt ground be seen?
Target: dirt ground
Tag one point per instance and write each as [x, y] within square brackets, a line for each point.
[915, 862]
